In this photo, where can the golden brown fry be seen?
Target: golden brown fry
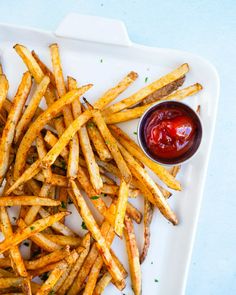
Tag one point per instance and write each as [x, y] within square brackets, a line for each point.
[51, 139]
[64, 240]
[12, 119]
[111, 189]
[148, 213]
[77, 266]
[56, 179]
[4, 86]
[95, 232]
[121, 207]
[10, 282]
[39, 123]
[27, 201]
[119, 264]
[44, 68]
[41, 149]
[111, 143]
[135, 150]
[31, 109]
[157, 197]
[133, 256]
[30, 230]
[102, 283]
[112, 93]
[14, 252]
[142, 93]
[48, 259]
[185, 92]
[175, 170]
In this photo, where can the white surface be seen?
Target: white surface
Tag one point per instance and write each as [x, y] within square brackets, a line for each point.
[170, 246]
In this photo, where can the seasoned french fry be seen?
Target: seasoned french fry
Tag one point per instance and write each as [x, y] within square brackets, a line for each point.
[14, 251]
[4, 86]
[10, 282]
[30, 230]
[12, 119]
[77, 266]
[142, 93]
[39, 123]
[64, 240]
[102, 283]
[55, 179]
[185, 92]
[31, 109]
[111, 143]
[175, 170]
[51, 139]
[95, 232]
[133, 256]
[111, 189]
[112, 93]
[135, 150]
[121, 207]
[148, 213]
[27, 201]
[157, 197]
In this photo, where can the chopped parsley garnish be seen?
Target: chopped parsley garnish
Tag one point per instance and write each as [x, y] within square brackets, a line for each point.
[135, 133]
[83, 225]
[90, 124]
[32, 227]
[94, 197]
[63, 205]
[156, 281]
[26, 244]
[44, 276]
[146, 79]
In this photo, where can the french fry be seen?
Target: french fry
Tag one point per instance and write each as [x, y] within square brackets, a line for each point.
[10, 282]
[148, 214]
[95, 232]
[39, 123]
[121, 207]
[93, 254]
[48, 259]
[77, 265]
[111, 189]
[64, 240]
[112, 93]
[14, 252]
[133, 256]
[31, 109]
[12, 119]
[55, 179]
[44, 68]
[4, 86]
[30, 230]
[51, 139]
[157, 197]
[135, 150]
[119, 264]
[111, 143]
[142, 93]
[175, 170]
[27, 201]
[57, 226]
[102, 283]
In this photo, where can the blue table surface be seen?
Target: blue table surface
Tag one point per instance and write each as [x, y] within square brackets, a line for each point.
[207, 28]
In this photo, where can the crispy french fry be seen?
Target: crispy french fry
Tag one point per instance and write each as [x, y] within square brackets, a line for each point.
[121, 207]
[56, 179]
[64, 240]
[51, 139]
[111, 189]
[142, 93]
[27, 201]
[48, 259]
[4, 86]
[135, 150]
[157, 197]
[15, 254]
[12, 119]
[133, 256]
[148, 213]
[102, 283]
[31, 109]
[111, 143]
[119, 264]
[77, 266]
[44, 68]
[10, 282]
[175, 170]
[30, 230]
[39, 123]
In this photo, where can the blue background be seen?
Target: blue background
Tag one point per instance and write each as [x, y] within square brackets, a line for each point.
[207, 28]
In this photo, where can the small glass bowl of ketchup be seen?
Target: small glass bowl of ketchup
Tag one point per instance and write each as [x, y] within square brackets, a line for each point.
[170, 132]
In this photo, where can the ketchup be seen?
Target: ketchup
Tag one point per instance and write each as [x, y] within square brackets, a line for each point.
[169, 132]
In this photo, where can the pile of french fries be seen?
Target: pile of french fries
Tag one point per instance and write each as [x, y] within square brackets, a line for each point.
[48, 157]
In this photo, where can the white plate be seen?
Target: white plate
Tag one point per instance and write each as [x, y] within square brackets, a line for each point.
[98, 50]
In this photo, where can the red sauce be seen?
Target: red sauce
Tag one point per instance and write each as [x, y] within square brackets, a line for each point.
[169, 132]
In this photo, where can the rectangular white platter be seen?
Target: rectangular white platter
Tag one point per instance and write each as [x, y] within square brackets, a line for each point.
[97, 50]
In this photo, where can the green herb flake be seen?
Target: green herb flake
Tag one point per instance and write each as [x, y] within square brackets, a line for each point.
[90, 125]
[156, 281]
[26, 244]
[101, 60]
[94, 197]
[51, 292]
[63, 205]
[146, 79]
[135, 133]
[63, 165]
[32, 227]
[83, 225]
[107, 141]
